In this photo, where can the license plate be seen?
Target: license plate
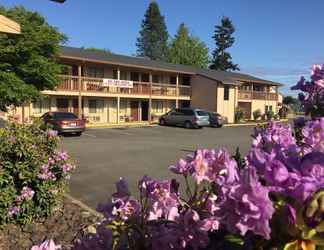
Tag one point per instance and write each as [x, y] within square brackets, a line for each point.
[73, 124]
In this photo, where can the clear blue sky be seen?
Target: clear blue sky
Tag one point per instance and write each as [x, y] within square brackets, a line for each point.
[277, 40]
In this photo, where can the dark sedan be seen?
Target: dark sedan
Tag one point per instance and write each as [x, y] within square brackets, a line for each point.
[216, 120]
[64, 122]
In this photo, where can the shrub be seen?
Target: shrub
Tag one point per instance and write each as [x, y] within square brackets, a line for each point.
[257, 114]
[269, 114]
[238, 115]
[33, 173]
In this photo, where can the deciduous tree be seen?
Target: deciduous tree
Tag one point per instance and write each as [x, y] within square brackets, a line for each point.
[28, 61]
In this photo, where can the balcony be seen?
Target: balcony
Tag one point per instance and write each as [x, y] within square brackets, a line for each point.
[89, 84]
[257, 95]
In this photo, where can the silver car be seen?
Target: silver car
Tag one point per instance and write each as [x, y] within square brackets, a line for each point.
[187, 117]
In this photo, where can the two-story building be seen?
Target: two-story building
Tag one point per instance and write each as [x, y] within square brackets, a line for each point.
[108, 88]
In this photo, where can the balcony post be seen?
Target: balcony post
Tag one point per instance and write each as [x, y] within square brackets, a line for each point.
[118, 108]
[118, 98]
[177, 91]
[150, 99]
[80, 111]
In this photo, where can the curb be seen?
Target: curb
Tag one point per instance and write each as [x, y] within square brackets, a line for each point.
[121, 126]
[83, 206]
[250, 123]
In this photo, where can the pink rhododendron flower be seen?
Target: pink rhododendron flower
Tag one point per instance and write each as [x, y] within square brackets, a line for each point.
[47, 245]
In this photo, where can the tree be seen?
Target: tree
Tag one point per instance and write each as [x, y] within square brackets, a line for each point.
[222, 60]
[108, 51]
[28, 61]
[187, 49]
[153, 36]
[289, 100]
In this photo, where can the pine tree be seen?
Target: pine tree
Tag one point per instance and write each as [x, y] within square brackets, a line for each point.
[222, 60]
[153, 36]
[187, 49]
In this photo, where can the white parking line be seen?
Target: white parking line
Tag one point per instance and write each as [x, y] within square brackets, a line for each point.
[93, 136]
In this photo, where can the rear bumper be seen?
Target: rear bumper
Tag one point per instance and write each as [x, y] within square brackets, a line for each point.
[71, 130]
[202, 123]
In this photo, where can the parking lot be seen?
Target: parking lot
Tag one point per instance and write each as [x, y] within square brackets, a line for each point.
[104, 155]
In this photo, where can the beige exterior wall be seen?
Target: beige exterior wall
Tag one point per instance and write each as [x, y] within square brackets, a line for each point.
[204, 93]
[226, 107]
[260, 104]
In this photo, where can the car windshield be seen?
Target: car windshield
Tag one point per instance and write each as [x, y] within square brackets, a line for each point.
[63, 116]
[202, 113]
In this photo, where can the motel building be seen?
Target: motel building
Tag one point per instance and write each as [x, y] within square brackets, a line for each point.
[106, 88]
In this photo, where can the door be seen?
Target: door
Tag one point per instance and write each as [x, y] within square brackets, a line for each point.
[62, 104]
[134, 110]
[145, 110]
[246, 108]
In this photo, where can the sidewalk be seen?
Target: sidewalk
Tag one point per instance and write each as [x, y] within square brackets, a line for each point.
[252, 123]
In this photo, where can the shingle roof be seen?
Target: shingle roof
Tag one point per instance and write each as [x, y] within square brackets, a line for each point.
[111, 58]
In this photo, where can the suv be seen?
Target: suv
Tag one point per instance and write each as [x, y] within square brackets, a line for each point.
[187, 117]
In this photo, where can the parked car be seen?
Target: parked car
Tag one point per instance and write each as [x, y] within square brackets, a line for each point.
[64, 122]
[187, 117]
[216, 120]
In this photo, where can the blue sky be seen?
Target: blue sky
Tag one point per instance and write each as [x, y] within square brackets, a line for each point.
[277, 40]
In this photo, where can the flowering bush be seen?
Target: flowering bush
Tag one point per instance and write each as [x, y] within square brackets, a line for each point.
[276, 200]
[313, 97]
[273, 199]
[257, 114]
[33, 173]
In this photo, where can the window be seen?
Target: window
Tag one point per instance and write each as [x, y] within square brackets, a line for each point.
[95, 72]
[186, 80]
[155, 78]
[226, 92]
[268, 108]
[123, 75]
[95, 106]
[173, 80]
[115, 74]
[158, 106]
[145, 77]
[258, 88]
[202, 113]
[41, 106]
[134, 76]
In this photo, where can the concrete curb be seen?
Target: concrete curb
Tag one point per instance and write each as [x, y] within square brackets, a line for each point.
[121, 126]
[83, 206]
[251, 123]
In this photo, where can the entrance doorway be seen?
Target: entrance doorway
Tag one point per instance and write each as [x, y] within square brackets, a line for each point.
[62, 104]
[134, 110]
[145, 110]
[246, 108]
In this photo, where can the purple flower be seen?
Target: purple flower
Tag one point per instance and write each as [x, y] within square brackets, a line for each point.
[47, 245]
[162, 201]
[246, 206]
[61, 156]
[291, 214]
[313, 134]
[14, 210]
[46, 174]
[122, 189]
[52, 133]
[25, 194]
[67, 168]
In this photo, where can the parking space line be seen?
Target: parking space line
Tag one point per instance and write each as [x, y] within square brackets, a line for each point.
[93, 136]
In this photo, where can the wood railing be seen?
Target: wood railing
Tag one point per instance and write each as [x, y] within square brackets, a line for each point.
[257, 95]
[89, 84]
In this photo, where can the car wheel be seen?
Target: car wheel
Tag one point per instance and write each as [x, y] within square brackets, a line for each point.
[162, 122]
[188, 124]
[219, 125]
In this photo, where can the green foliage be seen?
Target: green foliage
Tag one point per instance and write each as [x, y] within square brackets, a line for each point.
[238, 116]
[98, 50]
[153, 36]
[28, 61]
[24, 150]
[269, 114]
[222, 60]
[187, 49]
[288, 100]
[257, 114]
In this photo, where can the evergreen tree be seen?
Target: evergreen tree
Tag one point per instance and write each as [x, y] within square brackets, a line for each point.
[222, 60]
[153, 36]
[187, 49]
[28, 61]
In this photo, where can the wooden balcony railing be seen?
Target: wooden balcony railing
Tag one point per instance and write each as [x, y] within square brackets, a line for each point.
[257, 95]
[89, 84]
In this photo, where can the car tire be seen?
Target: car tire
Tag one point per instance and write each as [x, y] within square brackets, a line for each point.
[219, 125]
[188, 125]
[162, 122]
